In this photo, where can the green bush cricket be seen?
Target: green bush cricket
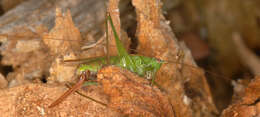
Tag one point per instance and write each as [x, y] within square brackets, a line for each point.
[141, 65]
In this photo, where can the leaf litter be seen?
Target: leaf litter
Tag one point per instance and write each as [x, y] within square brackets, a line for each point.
[124, 95]
[58, 50]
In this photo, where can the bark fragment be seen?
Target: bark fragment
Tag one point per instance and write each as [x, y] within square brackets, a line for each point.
[3, 82]
[33, 100]
[156, 39]
[63, 42]
[248, 103]
[133, 95]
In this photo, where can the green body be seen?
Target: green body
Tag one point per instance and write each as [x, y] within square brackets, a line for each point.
[141, 65]
[145, 66]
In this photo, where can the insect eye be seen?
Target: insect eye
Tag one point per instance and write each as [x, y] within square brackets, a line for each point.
[148, 75]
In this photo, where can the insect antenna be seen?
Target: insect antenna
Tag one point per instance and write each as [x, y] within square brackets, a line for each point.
[107, 41]
[195, 67]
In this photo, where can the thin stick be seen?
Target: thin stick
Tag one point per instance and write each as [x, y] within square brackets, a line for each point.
[82, 78]
[246, 55]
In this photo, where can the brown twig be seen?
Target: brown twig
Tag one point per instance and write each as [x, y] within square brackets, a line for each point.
[247, 56]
